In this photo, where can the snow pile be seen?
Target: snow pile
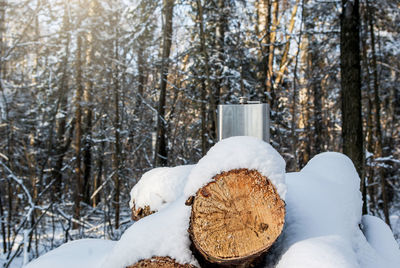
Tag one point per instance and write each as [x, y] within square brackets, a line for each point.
[161, 234]
[324, 198]
[380, 237]
[83, 253]
[234, 153]
[324, 251]
[323, 214]
[159, 187]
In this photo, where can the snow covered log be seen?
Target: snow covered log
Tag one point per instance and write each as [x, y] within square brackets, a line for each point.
[160, 262]
[236, 191]
[236, 218]
[157, 188]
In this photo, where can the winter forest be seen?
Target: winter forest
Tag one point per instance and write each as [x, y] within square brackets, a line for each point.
[94, 93]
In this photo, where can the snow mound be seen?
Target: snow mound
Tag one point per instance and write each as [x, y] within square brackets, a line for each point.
[82, 253]
[317, 204]
[234, 153]
[323, 214]
[324, 207]
[159, 187]
[161, 234]
[334, 167]
[380, 237]
[327, 252]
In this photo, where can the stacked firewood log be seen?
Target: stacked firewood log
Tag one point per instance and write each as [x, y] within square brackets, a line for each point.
[235, 218]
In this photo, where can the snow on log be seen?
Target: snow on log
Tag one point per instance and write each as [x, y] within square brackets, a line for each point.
[160, 262]
[162, 234]
[157, 188]
[237, 210]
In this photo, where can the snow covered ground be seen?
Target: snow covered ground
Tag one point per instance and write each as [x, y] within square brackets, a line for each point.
[82, 253]
[322, 225]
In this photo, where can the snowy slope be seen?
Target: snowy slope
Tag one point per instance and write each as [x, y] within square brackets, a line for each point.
[84, 253]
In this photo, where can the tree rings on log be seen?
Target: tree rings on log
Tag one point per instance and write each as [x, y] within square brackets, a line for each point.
[139, 213]
[160, 262]
[236, 217]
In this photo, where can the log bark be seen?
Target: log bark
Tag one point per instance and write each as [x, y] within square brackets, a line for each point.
[236, 218]
[160, 262]
[140, 212]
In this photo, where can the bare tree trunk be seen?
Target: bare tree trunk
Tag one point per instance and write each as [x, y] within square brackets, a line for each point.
[141, 79]
[271, 49]
[264, 34]
[352, 131]
[63, 100]
[220, 30]
[377, 102]
[6, 234]
[285, 61]
[116, 156]
[37, 46]
[78, 131]
[314, 74]
[161, 152]
[100, 165]
[294, 138]
[3, 228]
[206, 83]
[318, 142]
[203, 131]
[117, 129]
[369, 170]
[87, 98]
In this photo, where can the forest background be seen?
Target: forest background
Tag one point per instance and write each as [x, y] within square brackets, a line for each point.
[94, 93]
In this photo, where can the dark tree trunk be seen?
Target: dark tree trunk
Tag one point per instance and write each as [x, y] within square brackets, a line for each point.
[205, 83]
[161, 150]
[63, 100]
[117, 129]
[220, 30]
[100, 166]
[78, 132]
[352, 132]
[3, 228]
[87, 98]
[269, 83]
[318, 126]
[369, 170]
[141, 79]
[377, 102]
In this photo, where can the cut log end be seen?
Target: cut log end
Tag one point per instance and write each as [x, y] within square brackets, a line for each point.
[236, 217]
[139, 213]
[160, 262]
